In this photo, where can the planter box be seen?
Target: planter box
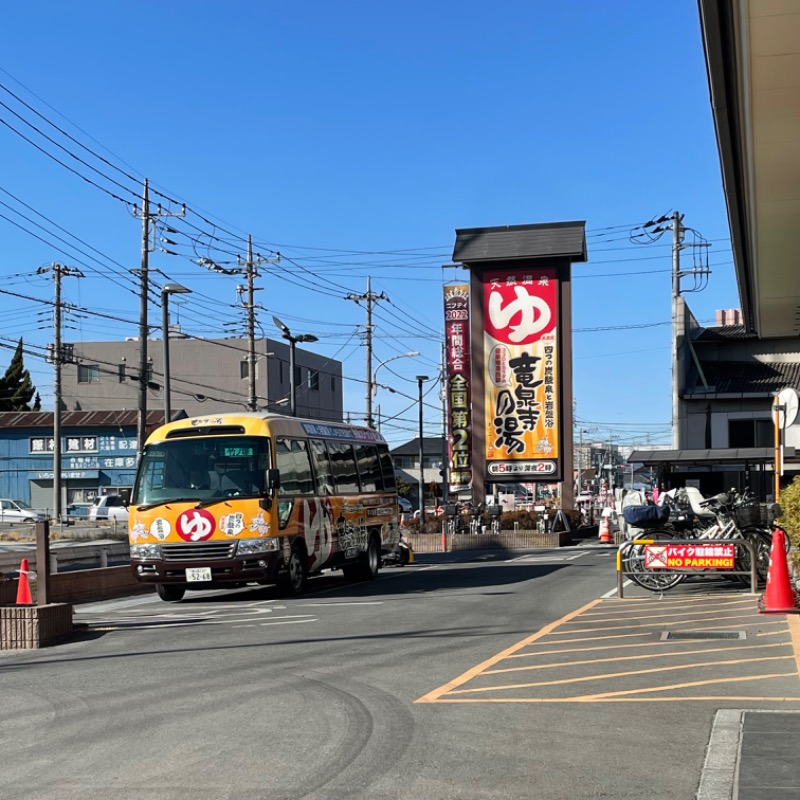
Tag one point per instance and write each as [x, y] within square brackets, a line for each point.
[32, 627]
[505, 540]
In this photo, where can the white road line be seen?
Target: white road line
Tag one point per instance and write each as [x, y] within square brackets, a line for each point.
[334, 603]
[290, 622]
[613, 592]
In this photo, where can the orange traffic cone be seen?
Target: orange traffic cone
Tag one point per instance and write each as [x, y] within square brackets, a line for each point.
[23, 587]
[605, 531]
[779, 598]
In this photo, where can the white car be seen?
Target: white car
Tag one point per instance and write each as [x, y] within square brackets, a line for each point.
[12, 511]
[405, 505]
[109, 506]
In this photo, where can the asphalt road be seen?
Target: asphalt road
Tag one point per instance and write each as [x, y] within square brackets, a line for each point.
[371, 691]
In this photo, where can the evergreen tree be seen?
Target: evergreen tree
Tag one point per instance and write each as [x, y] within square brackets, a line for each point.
[16, 388]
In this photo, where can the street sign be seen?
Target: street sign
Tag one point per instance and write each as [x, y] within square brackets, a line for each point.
[683, 556]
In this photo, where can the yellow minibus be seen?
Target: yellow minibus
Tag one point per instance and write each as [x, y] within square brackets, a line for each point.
[231, 499]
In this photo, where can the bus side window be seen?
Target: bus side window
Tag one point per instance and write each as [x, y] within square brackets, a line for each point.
[295, 467]
[345, 471]
[387, 468]
[368, 467]
[322, 468]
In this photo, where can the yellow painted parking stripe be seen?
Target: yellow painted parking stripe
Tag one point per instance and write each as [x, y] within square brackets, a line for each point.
[627, 674]
[433, 696]
[794, 630]
[668, 615]
[563, 664]
[693, 684]
[659, 644]
[622, 605]
[673, 624]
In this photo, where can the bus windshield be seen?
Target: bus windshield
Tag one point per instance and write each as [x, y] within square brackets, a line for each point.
[202, 469]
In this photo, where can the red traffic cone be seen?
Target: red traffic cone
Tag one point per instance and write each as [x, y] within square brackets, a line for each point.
[23, 587]
[605, 531]
[779, 598]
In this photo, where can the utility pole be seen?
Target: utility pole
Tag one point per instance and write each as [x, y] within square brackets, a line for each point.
[147, 216]
[58, 359]
[251, 266]
[370, 297]
[677, 246]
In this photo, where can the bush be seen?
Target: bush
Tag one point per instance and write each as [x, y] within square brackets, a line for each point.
[790, 519]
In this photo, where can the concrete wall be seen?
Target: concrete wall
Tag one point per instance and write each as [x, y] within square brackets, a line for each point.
[205, 375]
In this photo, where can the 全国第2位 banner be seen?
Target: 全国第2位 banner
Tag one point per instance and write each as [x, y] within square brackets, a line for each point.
[520, 340]
[459, 397]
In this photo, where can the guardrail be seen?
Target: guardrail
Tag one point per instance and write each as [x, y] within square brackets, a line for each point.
[99, 553]
[752, 572]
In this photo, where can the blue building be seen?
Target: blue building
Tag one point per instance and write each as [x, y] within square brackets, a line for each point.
[98, 454]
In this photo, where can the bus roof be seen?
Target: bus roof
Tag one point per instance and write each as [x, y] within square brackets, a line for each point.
[266, 424]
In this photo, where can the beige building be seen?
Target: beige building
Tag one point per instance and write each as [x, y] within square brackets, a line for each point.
[206, 375]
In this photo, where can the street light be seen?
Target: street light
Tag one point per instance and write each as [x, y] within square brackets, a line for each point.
[420, 380]
[166, 291]
[293, 340]
[372, 384]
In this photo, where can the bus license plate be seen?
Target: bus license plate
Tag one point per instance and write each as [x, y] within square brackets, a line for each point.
[198, 574]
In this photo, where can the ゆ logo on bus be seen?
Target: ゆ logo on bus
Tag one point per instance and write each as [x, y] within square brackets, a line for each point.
[195, 525]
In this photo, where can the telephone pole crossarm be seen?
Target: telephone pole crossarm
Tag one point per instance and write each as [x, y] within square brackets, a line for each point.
[369, 297]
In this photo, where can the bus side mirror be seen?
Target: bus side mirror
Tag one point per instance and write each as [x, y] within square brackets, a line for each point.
[273, 480]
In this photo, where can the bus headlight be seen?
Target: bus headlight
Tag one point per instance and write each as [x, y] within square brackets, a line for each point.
[249, 547]
[143, 551]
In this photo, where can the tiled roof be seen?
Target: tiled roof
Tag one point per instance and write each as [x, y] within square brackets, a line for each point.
[723, 333]
[539, 240]
[749, 377]
[82, 419]
[431, 445]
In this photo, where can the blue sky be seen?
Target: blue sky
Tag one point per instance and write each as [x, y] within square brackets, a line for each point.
[354, 138]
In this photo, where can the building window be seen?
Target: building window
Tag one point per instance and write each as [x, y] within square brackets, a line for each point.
[750, 433]
[313, 380]
[333, 384]
[88, 373]
[121, 369]
[244, 369]
[298, 375]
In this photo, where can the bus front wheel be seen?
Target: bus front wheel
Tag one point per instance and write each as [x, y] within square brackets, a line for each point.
[297, 570]
[171, 592]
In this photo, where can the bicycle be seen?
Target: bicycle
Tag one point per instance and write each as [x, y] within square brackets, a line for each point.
[731, 512]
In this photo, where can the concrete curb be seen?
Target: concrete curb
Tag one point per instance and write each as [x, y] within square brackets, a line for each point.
[718, 779]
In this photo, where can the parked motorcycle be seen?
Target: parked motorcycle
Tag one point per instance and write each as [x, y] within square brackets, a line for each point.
[402, 554]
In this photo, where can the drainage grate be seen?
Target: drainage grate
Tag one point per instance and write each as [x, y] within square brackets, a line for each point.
[671, 635]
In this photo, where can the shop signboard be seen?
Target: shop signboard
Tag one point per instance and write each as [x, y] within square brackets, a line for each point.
[458, 374]
[521, 349]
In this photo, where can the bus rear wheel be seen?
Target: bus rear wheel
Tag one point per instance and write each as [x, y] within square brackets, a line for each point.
[171, 592]
[371, 560]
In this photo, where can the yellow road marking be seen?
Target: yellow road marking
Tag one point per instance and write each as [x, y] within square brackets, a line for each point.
[627, 674]
[469, 674]
[668, 615]
[560, 664]
[663, 604]
[450, 693]
[759, 623]
[794, 630]
[627, 692]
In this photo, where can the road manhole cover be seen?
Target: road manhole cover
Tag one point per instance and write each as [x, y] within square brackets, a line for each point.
[673, 635]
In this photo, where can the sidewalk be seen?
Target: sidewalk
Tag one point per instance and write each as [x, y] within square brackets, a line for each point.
[752, 755]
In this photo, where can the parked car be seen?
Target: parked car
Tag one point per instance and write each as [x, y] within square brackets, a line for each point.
[405, 505]
[12, 511]
[109, 506]
[80, 510]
